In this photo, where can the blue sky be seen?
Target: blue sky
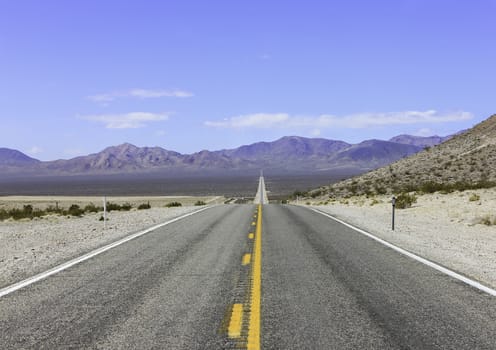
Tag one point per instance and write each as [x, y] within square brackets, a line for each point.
[78, 76]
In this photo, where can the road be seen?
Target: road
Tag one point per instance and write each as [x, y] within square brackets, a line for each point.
[261, 195]
[193, 285]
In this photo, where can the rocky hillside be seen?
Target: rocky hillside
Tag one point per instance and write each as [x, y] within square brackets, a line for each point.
[467, 160]
[122, 158]
[12, 157]
[420, 141]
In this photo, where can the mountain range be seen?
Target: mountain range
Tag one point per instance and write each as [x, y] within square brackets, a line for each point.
[288, 154]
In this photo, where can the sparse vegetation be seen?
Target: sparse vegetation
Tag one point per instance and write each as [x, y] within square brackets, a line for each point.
[29, 212]
[91, 208]
[374, 202]
[474, 197]
[405, 200]
[75, 210]
[173, 204]
[117, 207]
[299, 194]
[199, 203]
[486, 220]
[144, 206]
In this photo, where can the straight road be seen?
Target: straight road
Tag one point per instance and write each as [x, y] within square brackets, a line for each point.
[261, 195]
[193, 285]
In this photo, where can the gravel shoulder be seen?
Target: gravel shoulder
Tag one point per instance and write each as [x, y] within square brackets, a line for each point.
[444, 228]
[28, 247]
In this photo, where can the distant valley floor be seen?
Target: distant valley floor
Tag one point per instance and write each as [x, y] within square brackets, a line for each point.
[156, 185]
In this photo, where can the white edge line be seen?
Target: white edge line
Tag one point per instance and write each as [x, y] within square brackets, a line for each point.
[24, 283]
[431, 264]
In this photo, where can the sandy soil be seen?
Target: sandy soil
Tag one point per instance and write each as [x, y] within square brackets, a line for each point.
[445, 228]
[31, 246]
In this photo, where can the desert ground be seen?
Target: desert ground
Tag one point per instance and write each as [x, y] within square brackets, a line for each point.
[456, 230]
[29, 246]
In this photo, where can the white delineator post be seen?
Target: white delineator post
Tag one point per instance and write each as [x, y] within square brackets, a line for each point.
[105, 212]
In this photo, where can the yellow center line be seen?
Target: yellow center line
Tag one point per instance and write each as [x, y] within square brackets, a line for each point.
[256, 287]
[251, 235]
[246, 259]
[234, 329]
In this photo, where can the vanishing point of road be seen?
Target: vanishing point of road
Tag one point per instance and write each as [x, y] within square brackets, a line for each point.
[248, 276]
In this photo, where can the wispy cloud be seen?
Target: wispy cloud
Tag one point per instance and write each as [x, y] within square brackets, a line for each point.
[139, 93]
[35, 150]
[352, 121]
[126, 121]
[258, 120]
[424, 132]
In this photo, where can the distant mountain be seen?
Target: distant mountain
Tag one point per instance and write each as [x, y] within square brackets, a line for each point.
[467, 159]
[288, 147]
[12, 157]
[124, 158]
[420, 141]
[374, 153]
[288, 154]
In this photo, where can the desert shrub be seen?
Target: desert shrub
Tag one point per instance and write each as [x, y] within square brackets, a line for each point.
[126, 207]
[4, 214]
[173, 204]
[54, 210]
[374, 202]
[316, 193]
[298, 193]
[16, 214]
[380, 189]
[474, 197]
[91, 208]
[405, 200]
[198, 203]
[113, 206]
[75, 210]
[144, 206]
[486, 220]
[27, 212]
[430, 187]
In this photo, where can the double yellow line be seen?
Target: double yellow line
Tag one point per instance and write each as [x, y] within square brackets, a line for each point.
[256, 288]
[244, 323]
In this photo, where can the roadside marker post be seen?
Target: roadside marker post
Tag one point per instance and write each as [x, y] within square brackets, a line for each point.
[393, 202]
[105, 212]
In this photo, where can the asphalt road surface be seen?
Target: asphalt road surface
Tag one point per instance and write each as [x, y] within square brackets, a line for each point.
[193, 285]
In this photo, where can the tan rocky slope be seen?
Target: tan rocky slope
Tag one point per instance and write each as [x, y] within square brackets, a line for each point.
[467, 160]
